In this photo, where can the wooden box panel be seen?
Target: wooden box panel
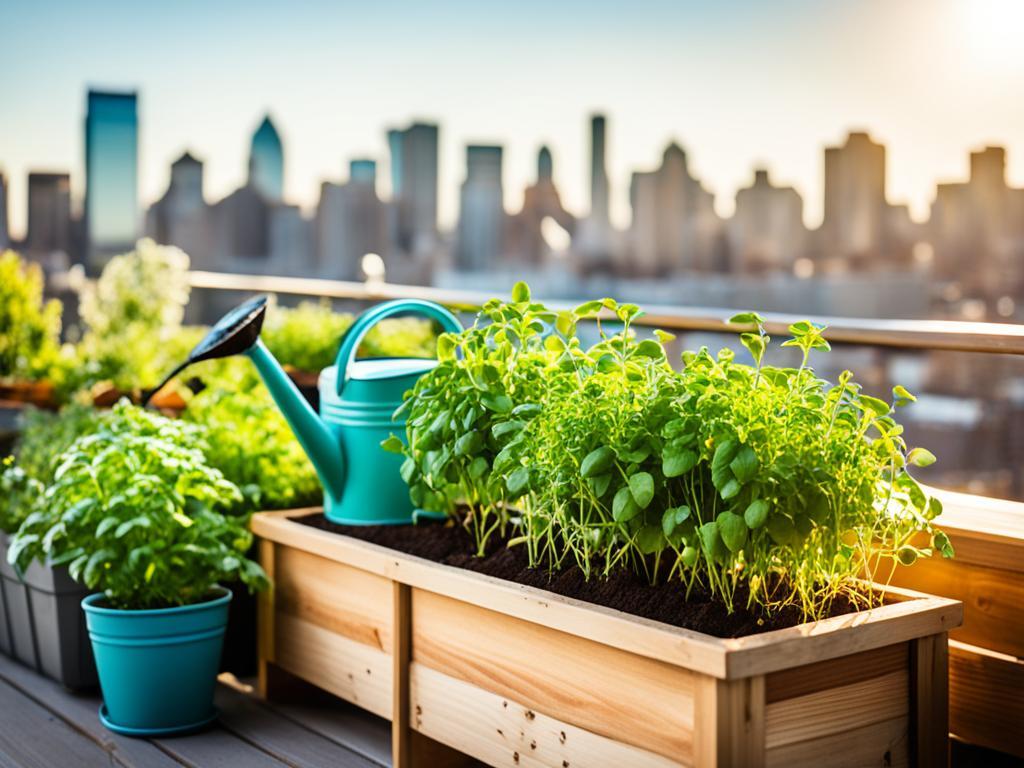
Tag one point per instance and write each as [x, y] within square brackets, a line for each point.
[607, 692]
[986, 698]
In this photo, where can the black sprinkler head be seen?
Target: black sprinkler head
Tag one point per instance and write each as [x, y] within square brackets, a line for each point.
[233, 334]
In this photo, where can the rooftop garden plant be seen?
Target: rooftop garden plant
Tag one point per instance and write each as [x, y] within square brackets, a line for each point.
[759, 483]
[137, 512]
[306, 337]
[29, 326]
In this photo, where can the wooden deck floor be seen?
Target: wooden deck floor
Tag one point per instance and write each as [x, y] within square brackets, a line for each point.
[42, 725]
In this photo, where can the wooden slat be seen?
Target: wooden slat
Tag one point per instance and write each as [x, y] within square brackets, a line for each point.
[345, 600]
[799, 681]
[507, 733]
[354, 671]
[881, 745]
[609, 692]
[986, 698]
[265, 618]
[728, 659]
[837, 709]
[730, 723]
[983, 531]
[929, 695]
[79, 711]
[280, 737]
[842, 635]
[217, 748]
[993, 599]
[401, 656]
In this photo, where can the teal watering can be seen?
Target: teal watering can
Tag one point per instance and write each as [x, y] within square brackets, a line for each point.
[362, 482]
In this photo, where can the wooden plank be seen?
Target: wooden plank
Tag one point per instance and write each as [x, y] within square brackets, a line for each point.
[401, 655]
[345, 600]
[280, 737]
[609, 692]
[730, 723]
[986, 703]
[356, 729]
[354, 671]
[929, 694]
[896, 622]
[265, 619]
[79, 711]
[838, 709]
[883, 744]
[731, 659]
[993, 599]
[799, 681]
[507, 733]
[983, 531]
[217, 748]
[54, 743]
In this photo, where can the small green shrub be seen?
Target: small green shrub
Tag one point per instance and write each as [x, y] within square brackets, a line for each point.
[307, 337]
[248, 438]
[46, 435]
[19, 495]
[29, 327]
[723, 474]
[137, 512]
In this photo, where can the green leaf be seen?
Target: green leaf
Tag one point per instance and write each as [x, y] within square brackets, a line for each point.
[520, 292]
[478, 467]
[649, 539]
[597, 462]
[649, 348]
[497, 403]
[746, 318]
[921, 457]
[689, 556]
[641, 486]
[724, 453]
[624, 508]
[901, 396]
[942, 543]
[677, 463]
[782, 530]
[393, 444]
[518, 483]
[744, 466]
[907, 555]
[874, 405]
[712, 544]
[599, 485]
[587, 309]
[756, 514]
[731, 489]
[733, 530]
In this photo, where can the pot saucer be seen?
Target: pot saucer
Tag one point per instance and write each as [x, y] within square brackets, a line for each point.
[179, 730]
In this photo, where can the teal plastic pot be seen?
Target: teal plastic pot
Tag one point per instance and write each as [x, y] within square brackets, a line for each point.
[157, 668]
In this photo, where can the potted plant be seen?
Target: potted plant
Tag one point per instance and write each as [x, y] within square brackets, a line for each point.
[41, 623]
[659, 567]
[136, 512]
[29, 334]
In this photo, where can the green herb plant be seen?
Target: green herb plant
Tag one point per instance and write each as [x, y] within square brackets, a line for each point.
[29, 327]
[136, 511]
[743, 479]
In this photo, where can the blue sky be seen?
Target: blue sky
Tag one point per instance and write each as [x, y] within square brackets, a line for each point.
[738, 84]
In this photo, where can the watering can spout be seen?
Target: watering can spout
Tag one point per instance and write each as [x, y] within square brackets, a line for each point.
[320, 445]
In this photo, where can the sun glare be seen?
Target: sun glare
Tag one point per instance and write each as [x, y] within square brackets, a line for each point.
[993, 31]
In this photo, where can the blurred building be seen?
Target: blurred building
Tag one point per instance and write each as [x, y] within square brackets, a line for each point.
[239, 230]
[977, 229]
[479, 241]
[594, 241]
[525, 240]
[266, 162]
[111, 175]
[180, 216]
[5, 237]
[675, 227]
[351, 221]
[48, 240]
[289, 241]
[414, 156]
[766, 233]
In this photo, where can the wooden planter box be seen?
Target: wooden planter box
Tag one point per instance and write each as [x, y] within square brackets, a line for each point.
[986, 654]
[516, 676]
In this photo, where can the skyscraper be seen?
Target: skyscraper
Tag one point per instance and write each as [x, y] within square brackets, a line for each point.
[481, 210]
[266, 162]
[49, 217]
[351, 221]
[363, 171]
[180, 216]
[5, 237]
[598, 172]
[853, 229]
[767, 232]
[525, 241]
[111, 174]
[414, 186]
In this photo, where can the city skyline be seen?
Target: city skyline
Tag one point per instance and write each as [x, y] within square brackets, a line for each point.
[768, 104]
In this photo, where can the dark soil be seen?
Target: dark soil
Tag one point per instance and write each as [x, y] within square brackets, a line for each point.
[623, 590]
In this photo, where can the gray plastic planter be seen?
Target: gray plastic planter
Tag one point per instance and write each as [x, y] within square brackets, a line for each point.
[42, 624]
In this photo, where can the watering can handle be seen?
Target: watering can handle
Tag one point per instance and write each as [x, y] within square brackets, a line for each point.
[357, 332]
